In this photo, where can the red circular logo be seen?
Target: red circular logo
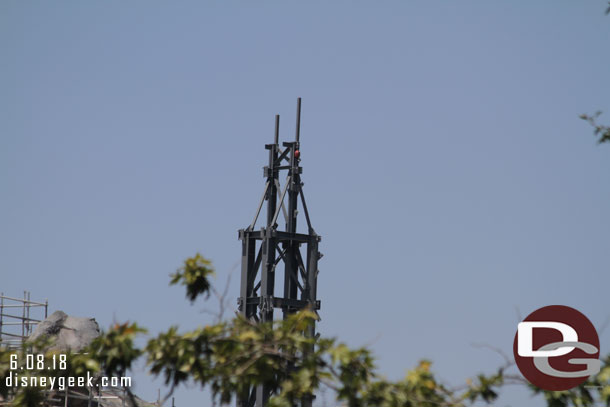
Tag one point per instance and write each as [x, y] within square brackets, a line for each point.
[556, 348]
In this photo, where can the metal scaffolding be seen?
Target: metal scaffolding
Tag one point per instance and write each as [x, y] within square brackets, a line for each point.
[263, 250]
[17, 320]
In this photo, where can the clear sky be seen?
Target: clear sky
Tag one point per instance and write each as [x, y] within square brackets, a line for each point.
[444, 161]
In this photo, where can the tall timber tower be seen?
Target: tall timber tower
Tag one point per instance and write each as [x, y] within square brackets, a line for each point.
[265, 251]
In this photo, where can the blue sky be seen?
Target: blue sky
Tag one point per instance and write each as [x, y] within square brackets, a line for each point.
[444, 161]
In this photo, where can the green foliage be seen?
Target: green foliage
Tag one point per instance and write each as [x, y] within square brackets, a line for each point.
[585, 394]
[114, 351]
[14, 363]
[28, 397]
[5, 357]
[194, 275]
[603, 132]
[229, 356]
[485, 387]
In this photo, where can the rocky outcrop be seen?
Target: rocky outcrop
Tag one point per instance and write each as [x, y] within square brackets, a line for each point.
[67, 332]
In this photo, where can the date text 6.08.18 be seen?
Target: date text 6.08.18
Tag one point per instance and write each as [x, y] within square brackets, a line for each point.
[38, 361]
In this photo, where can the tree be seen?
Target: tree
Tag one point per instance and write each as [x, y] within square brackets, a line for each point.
[603, 132]
[598, 129]
[227, 355]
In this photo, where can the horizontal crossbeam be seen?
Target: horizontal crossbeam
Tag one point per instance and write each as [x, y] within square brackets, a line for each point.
[284, 302]
[278, 235]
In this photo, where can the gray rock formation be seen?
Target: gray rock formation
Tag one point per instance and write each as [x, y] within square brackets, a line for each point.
[68, 333]
[73, 333]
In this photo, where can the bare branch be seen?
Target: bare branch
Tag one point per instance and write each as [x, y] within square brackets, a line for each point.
[507, 360]
[223, 301]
